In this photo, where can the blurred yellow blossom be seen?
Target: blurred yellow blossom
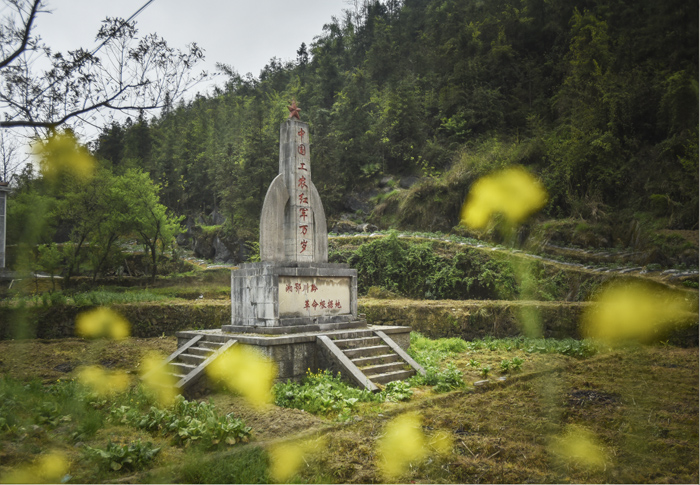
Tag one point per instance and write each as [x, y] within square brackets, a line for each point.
[441, 442]
[286, 458]
[513, 192]
[579, 446]
[157, 380]
[102, 381]
[245, 371]
[49, 468]
[634, 311]
[61, 153]
[403, 442]
[102, 322]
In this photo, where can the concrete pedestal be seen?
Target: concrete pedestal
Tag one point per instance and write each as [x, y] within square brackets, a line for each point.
[296, 353]
[292, 297]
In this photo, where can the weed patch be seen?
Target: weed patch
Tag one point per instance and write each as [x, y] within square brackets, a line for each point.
[567, 346]
[322, 393]
[188, 422]
[133, 456]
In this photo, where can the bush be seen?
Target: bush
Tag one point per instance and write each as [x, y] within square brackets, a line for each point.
[417, 271]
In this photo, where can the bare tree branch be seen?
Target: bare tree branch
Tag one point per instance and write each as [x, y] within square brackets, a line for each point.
[27, 31]
[131, 73]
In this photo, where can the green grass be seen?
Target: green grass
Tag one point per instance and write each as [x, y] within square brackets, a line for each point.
[249, 465]
[107, 297]
[567, 346]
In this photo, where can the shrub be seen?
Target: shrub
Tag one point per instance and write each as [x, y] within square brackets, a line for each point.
[416, 270]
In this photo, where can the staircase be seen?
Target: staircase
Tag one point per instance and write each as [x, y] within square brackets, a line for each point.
[187, 363]
[368, 357]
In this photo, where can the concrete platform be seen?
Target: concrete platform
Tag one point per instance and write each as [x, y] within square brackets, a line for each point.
[296, 353]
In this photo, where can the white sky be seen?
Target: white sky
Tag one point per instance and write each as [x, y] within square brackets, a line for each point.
[244, 34]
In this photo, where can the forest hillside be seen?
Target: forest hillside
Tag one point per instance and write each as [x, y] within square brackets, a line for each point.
[410, 101]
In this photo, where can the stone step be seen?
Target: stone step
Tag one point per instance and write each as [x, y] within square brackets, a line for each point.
[366, 351]
[374, 370]
[212, 344]
[200, 350]
[351, 334]
[376, 359]
[353, 343]
[392, 376]
[192, 359]
[182, 368]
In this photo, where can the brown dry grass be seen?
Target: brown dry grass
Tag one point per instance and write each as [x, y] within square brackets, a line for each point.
[641, 404]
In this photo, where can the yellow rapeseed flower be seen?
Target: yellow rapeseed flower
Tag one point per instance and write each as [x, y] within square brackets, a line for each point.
[102, 322]
[634, 311]
[513, 192]
[245, 371]
[61, 153]
[579, 446]
[441, 442]
[157, 380]
[286, 458]
[403, 442]
[49, 468]
[102, 381]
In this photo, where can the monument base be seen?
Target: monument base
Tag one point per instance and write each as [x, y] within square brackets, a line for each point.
[267, 297]
[290, 329]
[296, 353]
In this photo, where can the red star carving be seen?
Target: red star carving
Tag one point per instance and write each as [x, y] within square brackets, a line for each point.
[293, 110]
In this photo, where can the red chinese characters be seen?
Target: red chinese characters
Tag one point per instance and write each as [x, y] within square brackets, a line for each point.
[303, 166]
[303, 199]
[301, 133]
[304, 229]
[302, 149]
[303, 244]
[302, 287]
[302, 183]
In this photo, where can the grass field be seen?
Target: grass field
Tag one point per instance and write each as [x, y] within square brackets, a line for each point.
[565, 412]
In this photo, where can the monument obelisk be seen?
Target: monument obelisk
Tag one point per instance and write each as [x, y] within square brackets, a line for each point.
[293, 223]
[293, 288]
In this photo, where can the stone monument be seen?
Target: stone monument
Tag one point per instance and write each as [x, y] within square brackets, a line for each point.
[294, 306]
[294, 288]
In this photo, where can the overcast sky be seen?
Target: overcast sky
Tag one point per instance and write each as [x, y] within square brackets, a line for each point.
[244, 34]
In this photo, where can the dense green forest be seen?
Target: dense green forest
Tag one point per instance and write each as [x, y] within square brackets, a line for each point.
[599, 99]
